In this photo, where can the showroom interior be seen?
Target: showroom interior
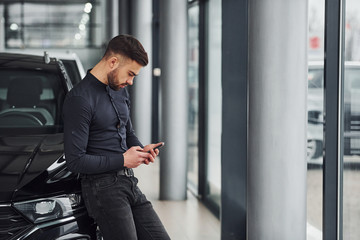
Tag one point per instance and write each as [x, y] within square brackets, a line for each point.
[253, 150]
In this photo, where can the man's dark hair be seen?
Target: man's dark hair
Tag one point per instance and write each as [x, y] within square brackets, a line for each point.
[129, 47]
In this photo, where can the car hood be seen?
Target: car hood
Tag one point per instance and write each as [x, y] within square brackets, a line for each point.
[23, 158]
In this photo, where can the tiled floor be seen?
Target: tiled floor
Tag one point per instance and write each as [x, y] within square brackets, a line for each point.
[184, 220]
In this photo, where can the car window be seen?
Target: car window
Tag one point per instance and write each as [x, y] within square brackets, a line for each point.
[352, 99]
[353, 78]
[30, 99]
[316, 78]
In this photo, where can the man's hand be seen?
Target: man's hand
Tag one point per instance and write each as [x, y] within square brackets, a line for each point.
[150, 148]
[135, 156]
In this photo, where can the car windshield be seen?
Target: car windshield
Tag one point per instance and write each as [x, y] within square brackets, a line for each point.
[352, 78]
[30, 100]
[315, 78]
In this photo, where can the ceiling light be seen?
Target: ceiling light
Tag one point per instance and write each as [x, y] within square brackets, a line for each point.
[82, 27]
[78, 36]
[88, 7]
[14, 27]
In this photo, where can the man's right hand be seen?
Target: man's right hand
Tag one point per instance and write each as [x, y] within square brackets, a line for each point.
[134, 157]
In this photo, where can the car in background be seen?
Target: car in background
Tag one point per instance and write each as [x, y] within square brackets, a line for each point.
[39, 197]
[316, 114]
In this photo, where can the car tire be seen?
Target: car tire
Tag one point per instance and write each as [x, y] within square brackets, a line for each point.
[314, 149]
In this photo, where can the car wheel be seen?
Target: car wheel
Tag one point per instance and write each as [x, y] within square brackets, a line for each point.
[314, 149]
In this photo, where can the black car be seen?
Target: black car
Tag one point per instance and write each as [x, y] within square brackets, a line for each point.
[39, 197]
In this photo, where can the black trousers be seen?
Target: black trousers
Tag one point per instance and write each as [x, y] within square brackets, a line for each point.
[120, 209]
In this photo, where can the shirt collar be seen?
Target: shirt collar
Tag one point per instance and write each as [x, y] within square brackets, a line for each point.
[94, 79]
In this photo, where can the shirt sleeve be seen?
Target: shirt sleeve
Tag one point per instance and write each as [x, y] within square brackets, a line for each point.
[131, 138]
[77, 115]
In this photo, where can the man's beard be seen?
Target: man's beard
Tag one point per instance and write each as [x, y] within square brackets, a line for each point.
[112, 80]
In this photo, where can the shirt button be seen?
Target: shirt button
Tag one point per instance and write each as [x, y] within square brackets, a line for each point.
[118, 125]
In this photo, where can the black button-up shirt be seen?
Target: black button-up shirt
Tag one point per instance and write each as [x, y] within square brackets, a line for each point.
[97, 127]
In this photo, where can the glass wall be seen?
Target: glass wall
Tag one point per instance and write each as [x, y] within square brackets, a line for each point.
[315, 131]
[349, 166]
[193, 83]
[351, 130]
[52, 25]
[205, 100]
[213, 100]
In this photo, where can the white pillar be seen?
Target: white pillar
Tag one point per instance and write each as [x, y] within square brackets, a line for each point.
[173, 83]
[142, 88]
[114, 18]
[2, 29]
[277, 119]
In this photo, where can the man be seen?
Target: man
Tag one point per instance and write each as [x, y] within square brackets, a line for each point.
[101, 145]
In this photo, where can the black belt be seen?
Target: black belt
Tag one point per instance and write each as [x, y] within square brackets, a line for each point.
[128, 172]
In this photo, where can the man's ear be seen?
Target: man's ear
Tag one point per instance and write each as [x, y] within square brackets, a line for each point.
[113, 62]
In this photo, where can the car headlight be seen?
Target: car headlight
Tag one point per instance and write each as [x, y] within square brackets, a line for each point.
[45, 209]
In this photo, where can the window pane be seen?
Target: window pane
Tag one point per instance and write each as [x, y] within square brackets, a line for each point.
[315, 120]
[193, 81]
[351, 131]
[214, 101]
[38, 25]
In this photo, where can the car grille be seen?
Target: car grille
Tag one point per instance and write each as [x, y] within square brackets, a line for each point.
[11, 223]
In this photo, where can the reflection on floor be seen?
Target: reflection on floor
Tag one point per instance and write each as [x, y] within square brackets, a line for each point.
[313, 233]
[184, 220]
[190, 220]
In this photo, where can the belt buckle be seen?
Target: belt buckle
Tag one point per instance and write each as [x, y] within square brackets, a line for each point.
[128, 172]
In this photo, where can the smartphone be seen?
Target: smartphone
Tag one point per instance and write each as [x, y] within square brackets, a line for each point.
[158, 147]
